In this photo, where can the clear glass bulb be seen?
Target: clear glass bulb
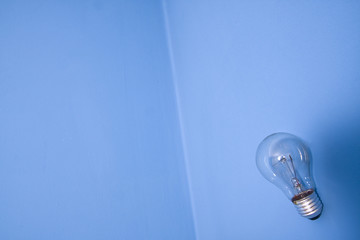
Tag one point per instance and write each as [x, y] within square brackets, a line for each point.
[284, 160]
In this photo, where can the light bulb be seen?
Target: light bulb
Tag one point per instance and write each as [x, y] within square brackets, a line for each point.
[284, 160]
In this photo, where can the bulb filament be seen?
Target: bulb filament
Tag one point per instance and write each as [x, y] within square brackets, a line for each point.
[289, 163]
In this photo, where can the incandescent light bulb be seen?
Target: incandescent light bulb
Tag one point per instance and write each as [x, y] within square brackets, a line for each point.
[284, 160]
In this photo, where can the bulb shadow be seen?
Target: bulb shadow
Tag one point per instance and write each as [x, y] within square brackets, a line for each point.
[339, 165]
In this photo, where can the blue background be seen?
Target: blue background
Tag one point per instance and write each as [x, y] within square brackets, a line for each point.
[246, 69]
[140, 119]
[89, 139]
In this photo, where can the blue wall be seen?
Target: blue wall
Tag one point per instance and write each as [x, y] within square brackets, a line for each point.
[90, 144]
[246, 69]
[97, 142]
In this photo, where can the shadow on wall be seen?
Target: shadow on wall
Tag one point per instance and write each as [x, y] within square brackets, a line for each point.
[340, 167]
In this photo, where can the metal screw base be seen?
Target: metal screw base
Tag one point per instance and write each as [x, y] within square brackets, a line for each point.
[309, 206]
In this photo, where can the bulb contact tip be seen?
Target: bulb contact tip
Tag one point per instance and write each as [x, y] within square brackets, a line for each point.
[308, 204]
